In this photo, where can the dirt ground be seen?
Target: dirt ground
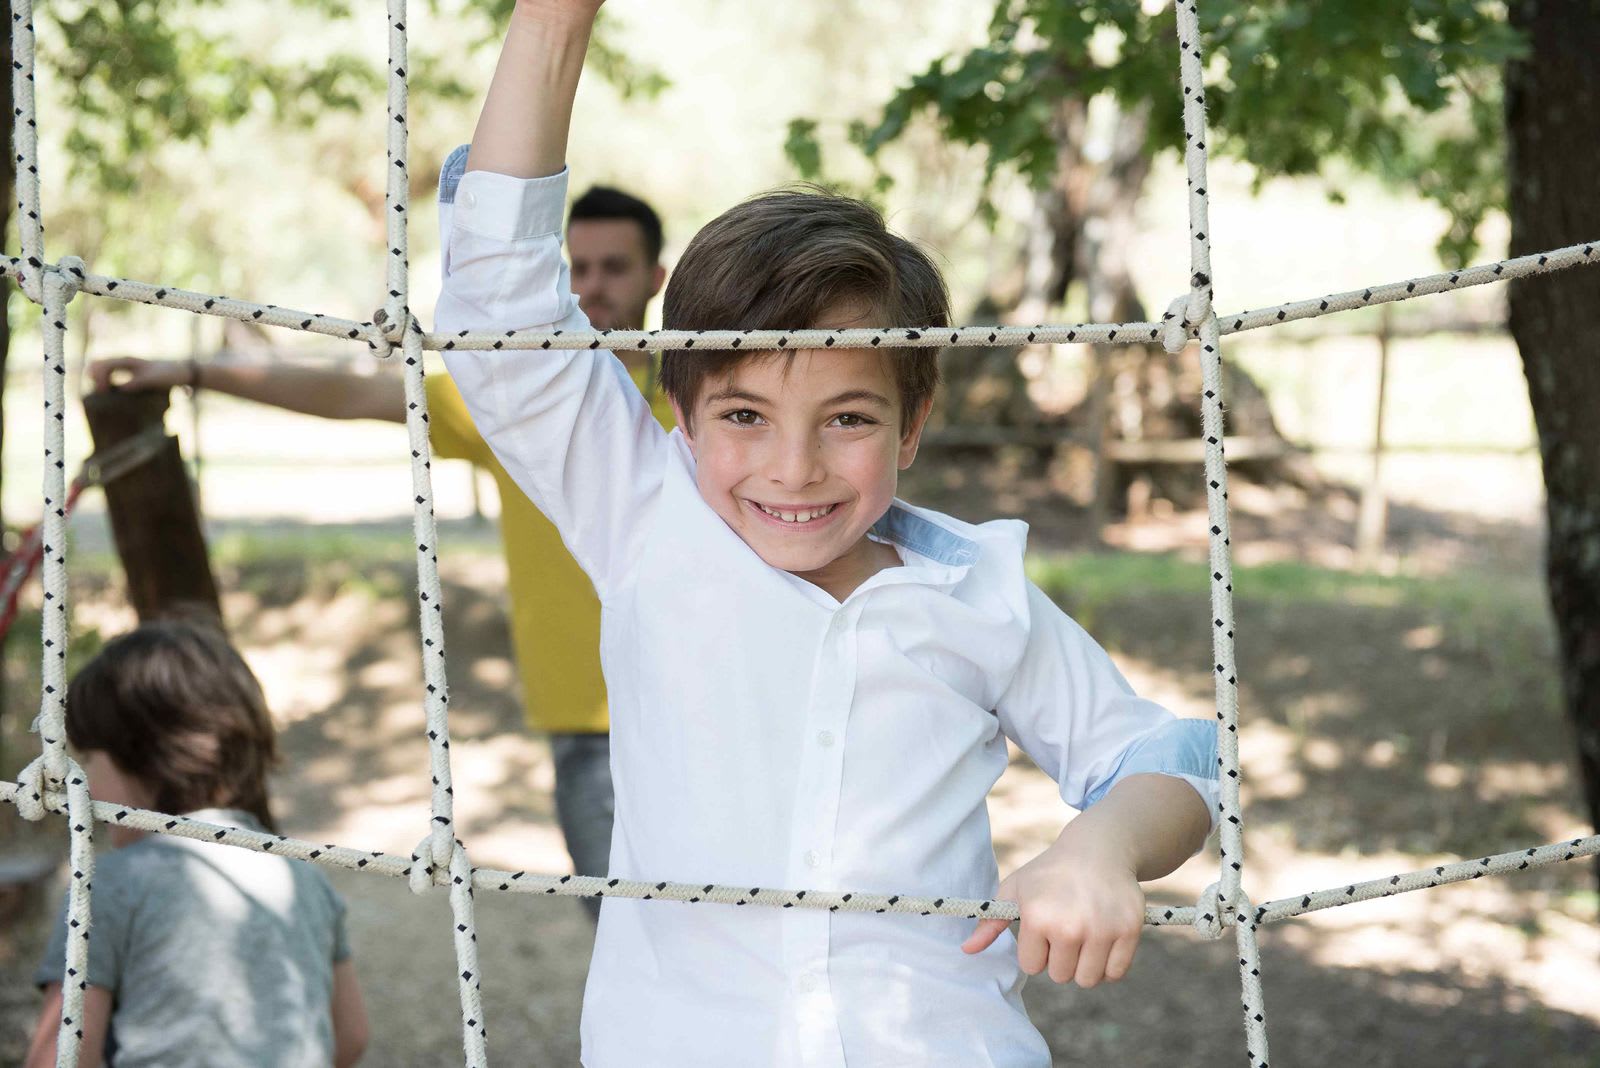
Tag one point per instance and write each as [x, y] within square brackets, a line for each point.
[1377, 738]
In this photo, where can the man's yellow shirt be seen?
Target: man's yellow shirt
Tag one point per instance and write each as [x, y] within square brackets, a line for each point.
[555, 616]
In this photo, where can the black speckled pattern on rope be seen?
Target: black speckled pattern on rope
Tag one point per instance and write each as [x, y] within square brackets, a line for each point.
[53, 783]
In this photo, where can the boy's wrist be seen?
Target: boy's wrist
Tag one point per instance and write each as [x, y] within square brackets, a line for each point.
[569, 18]
[1098, 845]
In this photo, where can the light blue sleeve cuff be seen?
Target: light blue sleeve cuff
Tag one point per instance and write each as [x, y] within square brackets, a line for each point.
[450, 172]
[498, 205]
[1184, 748]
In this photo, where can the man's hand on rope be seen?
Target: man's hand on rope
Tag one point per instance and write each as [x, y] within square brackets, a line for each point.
[1082, 911]
[132, 373]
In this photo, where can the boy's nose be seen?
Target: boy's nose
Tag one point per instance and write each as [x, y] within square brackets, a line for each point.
[796, 461]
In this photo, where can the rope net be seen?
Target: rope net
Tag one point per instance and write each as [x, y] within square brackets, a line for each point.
[53, 783]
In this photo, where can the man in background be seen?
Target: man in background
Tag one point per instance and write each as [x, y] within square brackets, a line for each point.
[614, 242]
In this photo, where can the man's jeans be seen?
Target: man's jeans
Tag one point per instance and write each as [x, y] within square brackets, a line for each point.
[585, 803]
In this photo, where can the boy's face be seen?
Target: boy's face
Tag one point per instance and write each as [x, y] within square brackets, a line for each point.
[801, 455]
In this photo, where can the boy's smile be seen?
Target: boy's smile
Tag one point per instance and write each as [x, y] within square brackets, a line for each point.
[800, 454]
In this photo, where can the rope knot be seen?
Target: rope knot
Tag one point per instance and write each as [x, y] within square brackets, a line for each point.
[1208, 913]
[426, 872]
[384, 332]
[1185, 314]
[423, 871]
[37, 782]
[71, 271]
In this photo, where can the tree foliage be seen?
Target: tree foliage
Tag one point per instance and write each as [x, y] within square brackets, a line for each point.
[1409, 92]
[140, 72]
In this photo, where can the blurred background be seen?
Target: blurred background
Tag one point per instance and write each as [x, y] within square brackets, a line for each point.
[1408, 695]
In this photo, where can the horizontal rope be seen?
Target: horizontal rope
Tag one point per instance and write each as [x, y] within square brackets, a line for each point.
[521, 882]
[127, 289]
[161, 296]
[1423, 879]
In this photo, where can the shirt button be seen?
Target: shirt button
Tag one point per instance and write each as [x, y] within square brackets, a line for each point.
[808, 982]
[824, 738]
[471, 199]
[811, 858]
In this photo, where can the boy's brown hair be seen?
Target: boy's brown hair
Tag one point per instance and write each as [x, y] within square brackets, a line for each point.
[786, 260]
[174, 705]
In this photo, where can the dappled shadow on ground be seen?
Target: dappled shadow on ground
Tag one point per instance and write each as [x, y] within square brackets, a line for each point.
[1375, 727]
[1180, 1006]
[353, 723]
[1378, 731]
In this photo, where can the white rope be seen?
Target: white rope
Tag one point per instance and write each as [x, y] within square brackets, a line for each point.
[53, 290]
[54, 784]
[1190, 313]
[396, 316]
[25, 140]
[376, 335]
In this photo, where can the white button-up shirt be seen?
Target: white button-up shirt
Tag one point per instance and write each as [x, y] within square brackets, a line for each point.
[764, 734]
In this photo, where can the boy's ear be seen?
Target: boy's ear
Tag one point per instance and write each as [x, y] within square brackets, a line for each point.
[912, 437]
[683, 424]
[658, 278]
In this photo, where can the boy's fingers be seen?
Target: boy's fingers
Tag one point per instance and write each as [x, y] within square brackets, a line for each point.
[1091, 964]
[1121, 957]
[1033, 949]
[1064, 957]
[983, 937]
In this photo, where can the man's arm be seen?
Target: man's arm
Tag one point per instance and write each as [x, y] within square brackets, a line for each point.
[315, 391]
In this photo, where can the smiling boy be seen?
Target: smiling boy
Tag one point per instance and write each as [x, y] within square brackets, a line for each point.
[811, 682]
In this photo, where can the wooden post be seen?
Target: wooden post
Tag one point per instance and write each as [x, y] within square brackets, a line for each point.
[154, 520]
[1372, 520]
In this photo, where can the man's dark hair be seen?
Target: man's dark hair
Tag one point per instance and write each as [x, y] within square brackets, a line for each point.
[604, 202]
[174, 705]
[785, 260]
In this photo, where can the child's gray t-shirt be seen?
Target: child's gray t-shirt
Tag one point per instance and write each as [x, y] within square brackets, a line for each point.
[216, 957]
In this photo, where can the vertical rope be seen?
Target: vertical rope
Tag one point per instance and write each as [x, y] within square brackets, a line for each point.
[398, 185]
[1251, 997]
[441, 842]
[54, 291]
[58, 290]
[25, 132]
[440, 852]
[1196, 311]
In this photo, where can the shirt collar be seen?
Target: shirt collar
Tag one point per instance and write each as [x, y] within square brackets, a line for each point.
[903, 527]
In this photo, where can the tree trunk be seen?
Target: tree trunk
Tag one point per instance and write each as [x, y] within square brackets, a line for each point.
[1083, 227]
[154, 520]
[1552, 98]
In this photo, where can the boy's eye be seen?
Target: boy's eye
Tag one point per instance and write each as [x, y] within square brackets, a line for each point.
[743, 417]
[852, 420]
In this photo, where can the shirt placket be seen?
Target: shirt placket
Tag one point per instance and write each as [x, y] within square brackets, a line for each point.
[812, 833]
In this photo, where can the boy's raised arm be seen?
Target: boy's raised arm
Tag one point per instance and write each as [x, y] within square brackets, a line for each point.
[522, 131]
[569, 426]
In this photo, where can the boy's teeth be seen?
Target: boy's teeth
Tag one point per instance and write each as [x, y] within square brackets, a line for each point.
[796, 517]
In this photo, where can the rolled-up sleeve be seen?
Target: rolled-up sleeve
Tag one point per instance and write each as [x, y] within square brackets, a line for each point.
[1073, 713]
